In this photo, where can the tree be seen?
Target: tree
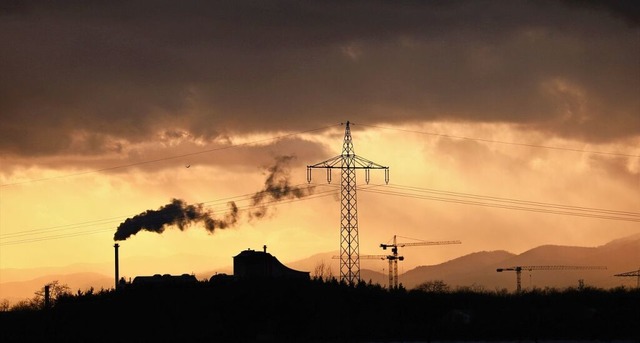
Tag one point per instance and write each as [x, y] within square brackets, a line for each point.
[25, 305]
[4, 305]
[322, 271]
[56, 290]
[433, 286]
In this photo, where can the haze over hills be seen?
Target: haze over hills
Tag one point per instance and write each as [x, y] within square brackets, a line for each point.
[473, 270]
[479, 269]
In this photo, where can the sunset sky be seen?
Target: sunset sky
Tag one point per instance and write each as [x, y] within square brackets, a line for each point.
[504, 124]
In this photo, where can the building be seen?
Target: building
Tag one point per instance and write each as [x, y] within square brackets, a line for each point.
[166, 279]
[261, 264]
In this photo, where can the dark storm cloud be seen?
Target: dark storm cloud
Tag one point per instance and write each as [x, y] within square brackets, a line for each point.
[125, 70]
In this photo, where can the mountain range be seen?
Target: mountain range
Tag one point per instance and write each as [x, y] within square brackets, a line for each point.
[477, 270]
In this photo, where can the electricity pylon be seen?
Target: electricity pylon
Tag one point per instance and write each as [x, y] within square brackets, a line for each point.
[348, 162]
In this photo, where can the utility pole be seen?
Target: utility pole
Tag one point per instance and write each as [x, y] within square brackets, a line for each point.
[348, 162]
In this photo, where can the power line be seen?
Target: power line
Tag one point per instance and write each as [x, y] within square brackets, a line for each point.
[501, 142]
[398, 190]
[513, 204]
[59, 231]
[516, 201]
[59, 236]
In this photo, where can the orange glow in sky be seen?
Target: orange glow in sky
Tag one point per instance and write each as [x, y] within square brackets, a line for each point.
[503, 127]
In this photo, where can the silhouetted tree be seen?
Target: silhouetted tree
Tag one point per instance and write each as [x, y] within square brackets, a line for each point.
[474, 288]
[4, 305]
[433, 286]
[243, 310]
[56, 290]
[322, 271]
[25, 305]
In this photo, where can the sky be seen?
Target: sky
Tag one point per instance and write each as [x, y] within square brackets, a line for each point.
[505, 125]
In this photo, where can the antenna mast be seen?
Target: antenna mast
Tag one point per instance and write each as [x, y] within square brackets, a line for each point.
[348, 162]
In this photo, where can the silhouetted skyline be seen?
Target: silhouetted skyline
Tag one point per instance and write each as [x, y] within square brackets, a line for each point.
[505, 124]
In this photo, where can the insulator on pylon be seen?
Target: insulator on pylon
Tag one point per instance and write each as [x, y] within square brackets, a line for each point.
[308, 174]
[328, 175]
[367, 177]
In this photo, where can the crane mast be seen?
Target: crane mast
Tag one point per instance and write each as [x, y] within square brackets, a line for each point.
[392, 261]
[519, 269]
[394, 250]
[348, 162]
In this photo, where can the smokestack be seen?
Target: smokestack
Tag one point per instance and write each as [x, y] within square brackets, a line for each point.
[116, 246]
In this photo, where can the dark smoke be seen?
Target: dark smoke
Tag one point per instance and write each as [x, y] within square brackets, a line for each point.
[176, 213]
[277, 187]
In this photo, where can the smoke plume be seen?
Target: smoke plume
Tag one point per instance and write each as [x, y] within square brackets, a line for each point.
[176, 213]
[277, 187]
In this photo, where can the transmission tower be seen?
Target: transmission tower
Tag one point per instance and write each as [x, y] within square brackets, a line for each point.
[348, 162]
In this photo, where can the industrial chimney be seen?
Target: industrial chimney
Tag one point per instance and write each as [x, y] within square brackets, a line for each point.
[116, 246]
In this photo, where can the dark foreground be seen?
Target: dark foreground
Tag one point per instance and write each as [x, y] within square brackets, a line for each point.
[315, 311]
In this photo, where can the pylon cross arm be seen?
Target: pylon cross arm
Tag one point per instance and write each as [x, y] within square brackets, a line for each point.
[333, 162]
[358, 163]
[363, 163]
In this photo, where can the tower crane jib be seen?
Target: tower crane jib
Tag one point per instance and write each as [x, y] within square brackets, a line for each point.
[635, 273]
[394, 250]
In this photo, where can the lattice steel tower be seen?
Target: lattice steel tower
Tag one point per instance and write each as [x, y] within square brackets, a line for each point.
[348, 162]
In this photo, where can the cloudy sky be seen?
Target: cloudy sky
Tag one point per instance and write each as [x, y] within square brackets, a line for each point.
[504, 124]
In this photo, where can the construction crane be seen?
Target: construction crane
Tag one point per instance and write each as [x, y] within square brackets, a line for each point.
[348, 162]
[632, 273]
[394, 250]
[393, 272]
[519, 269]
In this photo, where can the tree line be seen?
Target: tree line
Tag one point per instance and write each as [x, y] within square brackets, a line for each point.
[322, 310]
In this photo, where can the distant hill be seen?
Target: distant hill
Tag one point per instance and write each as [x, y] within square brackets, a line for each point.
[471, 269]
[479, 269]
[476, 269]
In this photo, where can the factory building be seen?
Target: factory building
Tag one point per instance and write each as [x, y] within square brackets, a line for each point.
[261, 264]
[248, 264]
[165, 279]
